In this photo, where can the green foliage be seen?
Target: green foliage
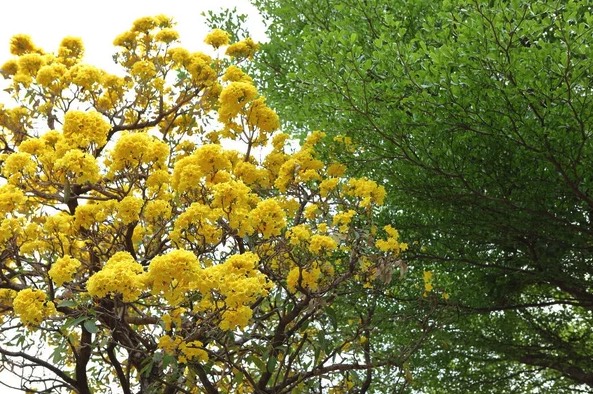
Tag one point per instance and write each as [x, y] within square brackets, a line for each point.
[478, 116]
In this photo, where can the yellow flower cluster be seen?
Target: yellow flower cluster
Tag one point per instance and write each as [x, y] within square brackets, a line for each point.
[157, 210]
[243, 49]
[301, 167]
[299, 234]
[22, 44]
[83, 129]
[64, 269]
[6, 299]
[233, 98]
[322, 243]
[167, 35]
[391, 244]
[51, 74]
[128, 209]
[121, 275]
[78, 166]
[70, 51]
[217, 38]
[428, 285]
[268, 218]
[11, 199]
[174, 318]
[185, 351]
[85, 76]
[173, 275]
[94, 213]
[18, 166]
[32, 307]
[197, 223]
[133, 151]
[239, 283]
[300, 278]
[235, 74]
[367, 190]
[343, 220]
[262, 117]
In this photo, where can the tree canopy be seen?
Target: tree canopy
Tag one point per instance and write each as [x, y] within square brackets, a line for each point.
[477, 116]
[144, 252]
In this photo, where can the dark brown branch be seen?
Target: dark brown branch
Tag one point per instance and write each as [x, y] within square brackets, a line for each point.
[210, 389]
[62, 375]
[82, 359]
[125, 384]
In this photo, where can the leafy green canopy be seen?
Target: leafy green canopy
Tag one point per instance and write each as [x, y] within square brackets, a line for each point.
[478, 116]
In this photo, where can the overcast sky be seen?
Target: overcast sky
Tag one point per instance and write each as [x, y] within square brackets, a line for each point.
[98, 23]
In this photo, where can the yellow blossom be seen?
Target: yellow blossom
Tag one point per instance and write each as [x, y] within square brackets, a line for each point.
[120, 275]
[262, 117]
[81, 167]
[268, 218]
[428, 286]
[18, 165]
[71, 51]
[126, 39]
[85, 76]
[303, 278]
[299, 234]
[144, 24]
[197, 224]
[217, 38]
[191, 351]
[32, 307]
[173, 274]
[50, 74]
[144, 70]
[319, 243]
[21, 44]
[136, 150]
[9, 68]
[167, 35]
[336, 170]
[368, 191]
[391, 244]
[128, 209]
[243, 49]
[343, 219]
[30, 64]
[235, 74]
[327, 185]
[169, 344]
[64, 269]
[11, 199]
[6, 298]
[156, 210]
[236, 318]
[85, 128]
[233, 98]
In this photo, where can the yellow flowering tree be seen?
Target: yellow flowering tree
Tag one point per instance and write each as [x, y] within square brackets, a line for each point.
[140, 252]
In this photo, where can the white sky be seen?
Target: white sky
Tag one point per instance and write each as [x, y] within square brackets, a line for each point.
[98, 23]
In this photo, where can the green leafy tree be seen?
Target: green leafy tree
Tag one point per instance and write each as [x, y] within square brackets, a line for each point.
[479, 116]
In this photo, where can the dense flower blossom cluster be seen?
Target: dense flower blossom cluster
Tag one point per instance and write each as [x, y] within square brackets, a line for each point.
[126, 217]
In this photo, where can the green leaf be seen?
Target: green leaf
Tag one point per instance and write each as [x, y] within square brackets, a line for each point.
[90, 326]
[258, 362]
[67, 303]
[271, 365]
[74, 322]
